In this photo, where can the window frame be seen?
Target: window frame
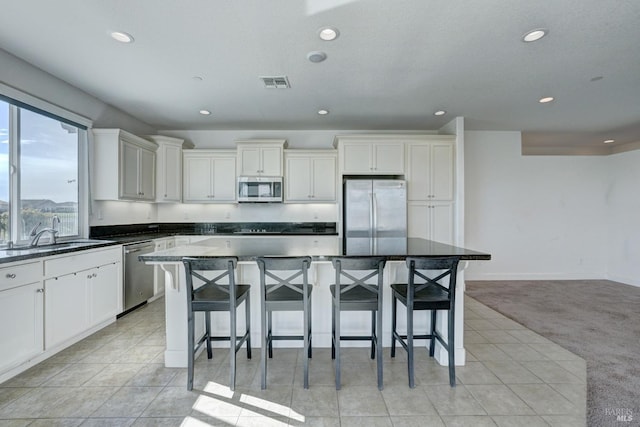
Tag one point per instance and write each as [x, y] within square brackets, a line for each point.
[17, 100]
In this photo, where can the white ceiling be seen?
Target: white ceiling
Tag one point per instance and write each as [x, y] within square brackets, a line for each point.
[393, 65]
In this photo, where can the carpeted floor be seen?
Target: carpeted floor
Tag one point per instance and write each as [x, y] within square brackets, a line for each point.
[598, 320]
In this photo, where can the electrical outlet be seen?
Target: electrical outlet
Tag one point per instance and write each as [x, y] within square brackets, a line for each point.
[227, 215]
[100, 216]
[185, 215]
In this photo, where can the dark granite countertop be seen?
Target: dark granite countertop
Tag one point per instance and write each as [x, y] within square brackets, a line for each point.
[131, 233]
[249, 249]
[26, 253]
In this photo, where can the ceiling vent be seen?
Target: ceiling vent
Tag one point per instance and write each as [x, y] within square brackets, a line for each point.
[277, 82]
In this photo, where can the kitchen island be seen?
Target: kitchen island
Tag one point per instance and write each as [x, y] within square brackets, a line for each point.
[322, 249]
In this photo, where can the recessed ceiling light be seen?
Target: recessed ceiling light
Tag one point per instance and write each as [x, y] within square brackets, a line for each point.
[122, 37]
[545, 99]
[316, 56]
[205, 112]
[323, 112]
[534, 35]
[328, 33]
[440, 113]
[609, 141]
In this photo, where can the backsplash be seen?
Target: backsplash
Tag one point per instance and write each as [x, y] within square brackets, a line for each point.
[119, 212]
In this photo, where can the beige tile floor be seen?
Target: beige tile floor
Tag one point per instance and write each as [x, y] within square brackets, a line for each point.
[116, 377]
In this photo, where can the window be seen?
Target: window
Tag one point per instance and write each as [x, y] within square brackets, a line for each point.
[41, 173]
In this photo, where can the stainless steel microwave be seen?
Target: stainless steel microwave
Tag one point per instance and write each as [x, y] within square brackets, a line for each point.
[260, 189]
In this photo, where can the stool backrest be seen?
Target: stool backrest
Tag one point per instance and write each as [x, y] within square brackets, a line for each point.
[346, 280]
[424, 272]
[223, 278]
[276, 272]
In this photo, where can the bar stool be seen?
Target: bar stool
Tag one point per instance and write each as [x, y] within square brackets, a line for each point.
[353, 291]
[425, 291]
[284, 286]
[217, 291]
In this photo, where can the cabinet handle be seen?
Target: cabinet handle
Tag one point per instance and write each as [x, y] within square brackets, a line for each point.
[94, 275]
[88, 276]
[11, 275]
[40, 291]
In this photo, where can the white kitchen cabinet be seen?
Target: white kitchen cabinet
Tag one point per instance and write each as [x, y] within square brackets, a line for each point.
[82, 290]
[430, 169]
[123, 165]
[260, 157]
[310, 175]
[370, 155]
[169, 168]
[21, 313]
[209, 176]
[430, 220]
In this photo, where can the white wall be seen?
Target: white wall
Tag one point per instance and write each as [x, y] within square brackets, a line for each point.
[623, 198]
[541, 217]
[26, 78]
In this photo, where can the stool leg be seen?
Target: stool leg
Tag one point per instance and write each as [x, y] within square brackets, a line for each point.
[379, 346]
[307, 346]
[373, 334]
[410, 345]
[207, 319]
[270, 325]
[232, 348]
[451, 345]
[190, 339]
[337, 346]
[309, 317]
[247, 316]
[394, 302]
[432, 343]
[263, 352]
[333, 329]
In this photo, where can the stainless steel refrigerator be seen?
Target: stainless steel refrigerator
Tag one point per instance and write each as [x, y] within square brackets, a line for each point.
[375, 217]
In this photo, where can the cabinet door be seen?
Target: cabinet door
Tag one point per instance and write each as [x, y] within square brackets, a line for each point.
[357, 158]
[418, 173]
[298, 179]
[21, 317]
[66, 313]
[102, 283]
[433, 221]
[442, 172]
[271, 161]
[324, 179]
[170, 177]
[224, 179]
[147, 175]
[441, 222]
[388, 158]
[249, 161]
[197, 179]
[129, 171]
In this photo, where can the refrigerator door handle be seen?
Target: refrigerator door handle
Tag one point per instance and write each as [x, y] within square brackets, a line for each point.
[374, 223]
[371, 223]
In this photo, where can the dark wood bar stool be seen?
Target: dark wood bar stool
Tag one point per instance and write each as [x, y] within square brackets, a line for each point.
[211, 286]
[284, 286]
[354, 291]
[425, 291]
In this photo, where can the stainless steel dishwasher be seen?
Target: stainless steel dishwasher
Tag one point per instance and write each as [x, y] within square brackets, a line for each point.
[138, 276]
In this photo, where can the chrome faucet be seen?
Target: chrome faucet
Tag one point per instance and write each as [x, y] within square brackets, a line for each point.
[38, 234]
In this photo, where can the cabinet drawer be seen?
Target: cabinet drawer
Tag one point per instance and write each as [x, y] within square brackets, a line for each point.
[79, 261]
[20, 274]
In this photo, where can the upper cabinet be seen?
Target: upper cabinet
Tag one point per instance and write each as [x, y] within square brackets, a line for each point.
[169, 168]
[124, 166]
[370, 155]
[260, 157]
[209, 176]
[430, 168]
[310, 175]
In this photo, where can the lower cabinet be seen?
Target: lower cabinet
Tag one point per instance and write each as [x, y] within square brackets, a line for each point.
[430, 220]
[21, 312]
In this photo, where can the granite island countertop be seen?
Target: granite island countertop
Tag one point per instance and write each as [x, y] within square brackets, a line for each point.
[320, 249]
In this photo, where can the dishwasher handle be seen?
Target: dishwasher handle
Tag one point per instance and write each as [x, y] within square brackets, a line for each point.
[139, 249]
